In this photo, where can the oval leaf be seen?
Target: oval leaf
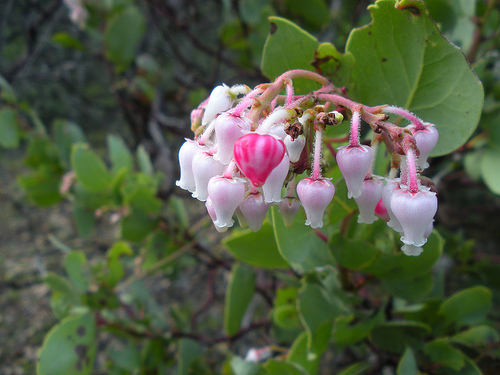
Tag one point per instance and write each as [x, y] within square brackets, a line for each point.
[89, 169]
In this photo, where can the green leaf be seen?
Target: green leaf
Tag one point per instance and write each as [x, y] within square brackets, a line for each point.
[119, 154]
[76, 267]
[65, 134]
[477, 336]
[395, 336]
[123, 35]
[239, 293]
[89, 169]
[42, 186]
[69, 348]
[274, 367]
[84, 219]
[300, 354]
[256, 248]
[137, 225]
[125, 354]
[355, 369]
[440, 351]
[66, 40]
[189, 352]
[417, 69]
[407, 364]
[289, 47]
[299, 245]
[467, 307]
[9, 132]
[489, 169]
[144, 161]
[115, 266]
[347, 333]
[333, 64]
[286, 317]
[6, 91]
[411, 290]
[352, 254]
[242, 367]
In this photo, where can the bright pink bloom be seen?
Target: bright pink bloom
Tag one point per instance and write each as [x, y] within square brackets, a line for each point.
[257, 155]
[315, 196]
[381, 210]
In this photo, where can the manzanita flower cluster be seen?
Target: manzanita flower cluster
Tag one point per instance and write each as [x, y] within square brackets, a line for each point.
[252, 147]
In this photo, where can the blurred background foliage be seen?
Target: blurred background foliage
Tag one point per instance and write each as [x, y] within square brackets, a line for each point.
[95, 99]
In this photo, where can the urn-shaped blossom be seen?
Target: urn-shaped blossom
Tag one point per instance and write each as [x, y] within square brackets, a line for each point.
[391, 186]
[294, 147]
[426, 141]
[228, 129]
[257, 155]
[315, 196]
[186, 154]
[226, 194]
[289, 207]
[414, 212]
[381, 210]
[371, 193]
[274, 183]
[254, 209]
[219, 101]
[354, 163]
[213, 215]
[204, 168]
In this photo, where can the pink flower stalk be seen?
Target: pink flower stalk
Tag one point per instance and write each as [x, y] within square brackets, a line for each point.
[226, 194]
[289, 208]
[257, 155]
[315, 196]
[254, 210]
[354, 163]
[371, 193]
[204, 168]
[426, 139]
[228, 129]
[274, 183]
[414, 212]
[186, 154]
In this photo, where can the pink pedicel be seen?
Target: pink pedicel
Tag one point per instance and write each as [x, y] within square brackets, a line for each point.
[256, 155]
[204, 168]
[371, 193]
[315, 196]
[289, 208]
[254, 210]
[274, 183]
[228, 129]
[415, 212]
[426, 140]
[225, 194]
[186, 154]
[354, 163]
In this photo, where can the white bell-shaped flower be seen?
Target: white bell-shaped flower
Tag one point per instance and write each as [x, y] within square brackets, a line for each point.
[289, 207]
[414, 212]
[228, 129]
[354, 163]
[387, 191]
[219, 101]
[204, 168]
[315, 196]
[426, 141]
[213, 215]
[371, 192]
[254, 210]
[226, 194]
[274, 183]
[294, 147]
[186, 154]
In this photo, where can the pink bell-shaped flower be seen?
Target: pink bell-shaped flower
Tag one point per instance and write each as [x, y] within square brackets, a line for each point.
[228, 129]
[371, 193]
[294, 147]
[412, 250]
[219, 101]
[274, 183]
[226, 194]
[257, 155]
[315, 196]
[289, 207]
[204, 168]
[213, 215]
[387, 191]
[186, 154]
[381, 210]
[354, 163]
[414, 212]
[426, 141]
[254, 209]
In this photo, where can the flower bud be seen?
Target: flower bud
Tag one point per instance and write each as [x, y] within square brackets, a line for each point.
[414, 212]
[204, 168]
[289, 207]
[274, 183]
[426, 141]
[219, 101]
[294, 147]
[371, 193]
[354, 163]
[315, 196]
[226, 194]
[228, 129]
[254, 210]
[257, 155]
[186, 154]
